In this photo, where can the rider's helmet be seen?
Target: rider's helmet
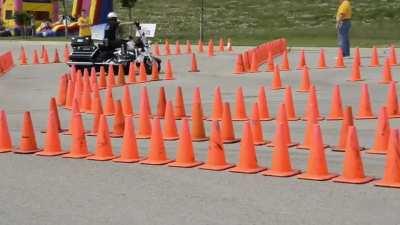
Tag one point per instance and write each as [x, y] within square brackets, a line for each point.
[112, 15]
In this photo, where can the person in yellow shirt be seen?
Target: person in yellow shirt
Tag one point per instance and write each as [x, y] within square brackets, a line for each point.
[84, 26]
[343, 25]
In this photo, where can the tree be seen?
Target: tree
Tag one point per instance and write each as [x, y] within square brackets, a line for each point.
[129, 4]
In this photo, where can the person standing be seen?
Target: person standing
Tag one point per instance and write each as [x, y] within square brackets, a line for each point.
[343, 25]
[84, 26]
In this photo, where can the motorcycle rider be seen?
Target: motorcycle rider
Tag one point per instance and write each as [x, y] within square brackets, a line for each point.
[112, 31]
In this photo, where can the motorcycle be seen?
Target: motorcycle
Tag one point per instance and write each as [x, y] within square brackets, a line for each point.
[87, 54]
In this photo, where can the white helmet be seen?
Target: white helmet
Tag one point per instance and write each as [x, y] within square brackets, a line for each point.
[112, 15]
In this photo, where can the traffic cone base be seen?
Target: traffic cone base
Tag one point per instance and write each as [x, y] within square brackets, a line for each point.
[377, 151]
[305, 147]
[341, 179]
[200, 139]
[308, 176]
[231, 141]
[334, 118]
[267, 119]
[43, 153]
[290, 145]
[216, 168]
[121, 160]
[296, 118]
[76, 156]
[240, 119]
[100, 158]
[143, 136]
[237, 169]
[113, 135]
[20, 151]
[60, 131]
[6, 150]
[155, 162]
[319, 118]
[281, 174]
[365, 117]
[361, 79]
[171, 138]
[381, 183]
[185, 165]
[340, 149]
[259, 143]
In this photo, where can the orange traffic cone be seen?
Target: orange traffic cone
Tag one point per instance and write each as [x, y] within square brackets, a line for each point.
[52, 145]
[240, 113]
[121, 76]
[170, 130]
[129, 149]
[188, 47]
[93, 77]
[302, 61]
[103, 151]
[221, 45]
[35, 58]
[97, 106]
[239, 65]
[246, 61]
[317, 168]
[229, 45]
[127, 105]
[157, 154]
[270, 62]
[132, 73]
[102, 78]
[161, 104]
[169, 75]
[254, 63]
[70, 95]
[263, 105]
[336, 112]
[177, 48]
[365, 109]
[305, 83]
[185, 156]
[217, 105]
[95, 124]
[346, 123]
[281, 163]
[290, 109]
[339, 59]
[276, 79]
[198, 131]
[142, 74]
[109, 109]
[321, 60]
[228, 131]
[157, 49]
[53, 109]
[391, 176]
[144, 131]
[216, 154]
[256, 127]
[392, 56]
[111, 77]
[381, 141]
[200, 46]
[357, 57]
[211, 48]
[281, 118]
[247, 156]
[78, 147]
[56, 57]
[179, 108]
[194, 64]
[312, 104]
[353, 170]
[45, 57]
[5, 137]
[155, 73]
[28, 141]
[308, 135]
[86, 99]
[285, 66]
[355, 72]
[167, 47]
[62, 91]
[66, 53]
[386, 77]
[374, 58]
[118, 128]
[22, 57]
[392, 104]
[75, 109]
[145, 100]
